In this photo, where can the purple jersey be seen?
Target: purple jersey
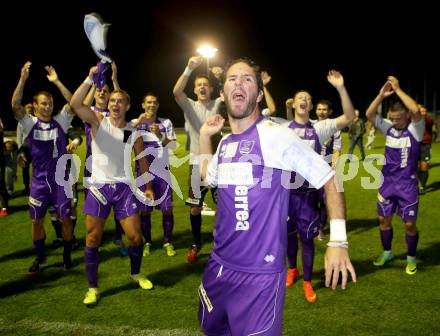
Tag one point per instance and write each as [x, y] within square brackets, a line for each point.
[402, 147]
[158, 158]
[87, 130]
[331, 145]
[47, 141]
[252, 172]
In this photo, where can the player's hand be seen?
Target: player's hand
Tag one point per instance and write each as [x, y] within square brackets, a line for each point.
[212, 125]
[71, 148]
[21, 160]
[194, 62]
[337, 261]
[154, 128]
[335, 78]
[51, 73]
[265, 77]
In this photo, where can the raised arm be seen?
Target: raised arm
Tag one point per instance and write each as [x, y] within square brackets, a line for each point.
[115, 77]
[213, 125]
[181, 83]
[289, 109]
[335, 78]
[336, 257]
[270, 103]
[385, 91]
[52, 76]
[410, 103]
[144, 167]
[77, 103]
[17, 96]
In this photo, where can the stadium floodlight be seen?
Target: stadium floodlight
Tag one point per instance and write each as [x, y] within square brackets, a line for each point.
[207, 52]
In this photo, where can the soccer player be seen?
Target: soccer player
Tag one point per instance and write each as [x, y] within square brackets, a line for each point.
[425, 149]
[158, 135]
[330, 151]
[47, 138]
[100, 96]
[399, 190]
[243, 286]
[196, 113]
[110, 187]
[304, 213]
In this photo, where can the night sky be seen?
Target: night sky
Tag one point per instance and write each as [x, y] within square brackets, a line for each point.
[297, 43]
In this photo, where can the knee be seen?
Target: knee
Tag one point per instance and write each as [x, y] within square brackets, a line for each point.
[411, 228]
[93, 239]
[167, 212]
[384, 223]
[136, 239]
[195, 211]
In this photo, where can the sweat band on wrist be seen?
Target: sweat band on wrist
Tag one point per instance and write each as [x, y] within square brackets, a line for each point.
[338, 244]
[88, 81]
[187, 72]
[337, 230]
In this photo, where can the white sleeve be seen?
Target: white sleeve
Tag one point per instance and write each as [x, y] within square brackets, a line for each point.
[417, 129]
[27, 122]
[132, 122]
[383, 124]
[283, 149]
[337, 142]
[212, 173]
[20, 135]
[64, 118]
[169, 129]
[325, 129]
[188, 107]
[265, 112]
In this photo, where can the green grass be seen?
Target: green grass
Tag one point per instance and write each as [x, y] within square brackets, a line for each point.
[384, 301]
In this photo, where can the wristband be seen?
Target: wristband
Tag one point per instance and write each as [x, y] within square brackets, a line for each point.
[187, 72]
[337, 230]
[88, 81]
[338, 244]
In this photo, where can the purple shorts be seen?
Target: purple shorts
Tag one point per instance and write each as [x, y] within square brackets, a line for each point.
[304, 213]
[163, 196]
[401, 198]
[239, 303]
[45, 192]
[100, 201]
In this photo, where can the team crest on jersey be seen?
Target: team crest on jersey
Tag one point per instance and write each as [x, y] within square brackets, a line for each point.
[309, 132]
[44, 125]
[395, 132]
[229, 150]
[246, 146]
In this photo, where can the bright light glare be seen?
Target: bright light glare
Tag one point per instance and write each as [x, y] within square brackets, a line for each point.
[207, 51]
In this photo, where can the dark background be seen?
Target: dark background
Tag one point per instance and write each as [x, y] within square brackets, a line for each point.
[296, 42]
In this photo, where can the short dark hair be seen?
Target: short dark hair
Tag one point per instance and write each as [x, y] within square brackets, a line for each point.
[41, 93]
[249, 62]
[398, 106]
[325, 102]
[123, 92]
[150, 94]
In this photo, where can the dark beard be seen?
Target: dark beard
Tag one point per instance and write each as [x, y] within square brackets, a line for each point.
[241, 115]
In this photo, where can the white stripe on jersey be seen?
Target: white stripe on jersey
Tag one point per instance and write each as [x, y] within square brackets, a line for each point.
[235, 173]
[46, 135]
[392, 142]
